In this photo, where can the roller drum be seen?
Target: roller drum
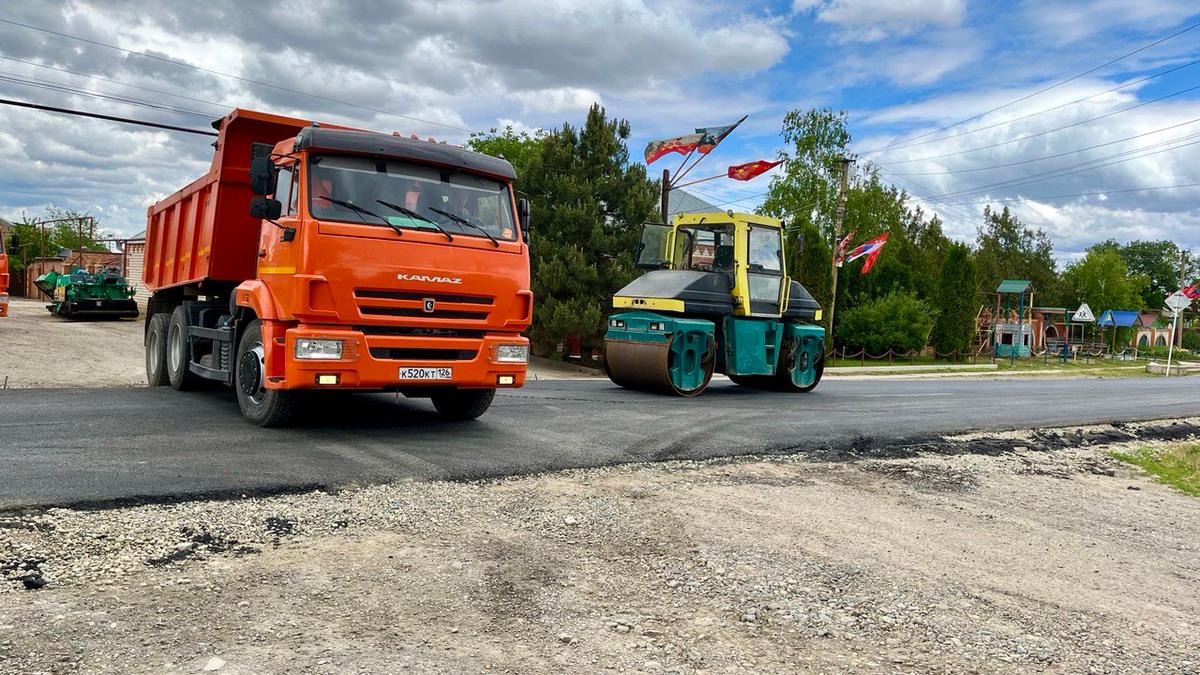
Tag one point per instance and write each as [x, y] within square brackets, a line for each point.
[648, 367]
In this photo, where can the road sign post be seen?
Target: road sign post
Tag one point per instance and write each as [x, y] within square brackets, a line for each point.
[1176, 302]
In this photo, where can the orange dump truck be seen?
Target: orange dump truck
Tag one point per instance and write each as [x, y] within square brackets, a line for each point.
[314, 256]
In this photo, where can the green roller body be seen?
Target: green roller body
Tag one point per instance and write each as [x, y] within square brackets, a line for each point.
[655, 352]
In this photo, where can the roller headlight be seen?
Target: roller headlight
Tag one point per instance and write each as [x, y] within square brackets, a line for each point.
[310, 349]
[512, 353]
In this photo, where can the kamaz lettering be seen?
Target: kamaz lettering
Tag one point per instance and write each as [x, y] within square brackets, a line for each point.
[429, 279]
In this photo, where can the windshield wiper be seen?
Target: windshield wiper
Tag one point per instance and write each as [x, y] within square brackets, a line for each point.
[413, 214]
[459, 219]
[355, 208]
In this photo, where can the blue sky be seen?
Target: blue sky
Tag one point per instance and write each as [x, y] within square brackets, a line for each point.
[900, 68]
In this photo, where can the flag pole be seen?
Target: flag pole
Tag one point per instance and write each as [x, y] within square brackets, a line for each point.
[705, 154]
[686, 157]
[700, 180]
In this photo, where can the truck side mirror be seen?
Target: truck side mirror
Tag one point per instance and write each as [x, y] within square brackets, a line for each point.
[262, 169]
[523, 216]
[266, 209]
[14, 243]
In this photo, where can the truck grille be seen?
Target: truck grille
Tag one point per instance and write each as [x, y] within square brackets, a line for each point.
[423, 354]
[412, 304]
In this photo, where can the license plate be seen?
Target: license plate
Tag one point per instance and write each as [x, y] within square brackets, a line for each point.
[426, 373]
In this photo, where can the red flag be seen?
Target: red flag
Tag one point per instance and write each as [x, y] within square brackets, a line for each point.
[870, 250]
[752, 170]
[1193, 291]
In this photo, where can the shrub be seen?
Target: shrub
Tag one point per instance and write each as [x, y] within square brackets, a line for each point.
[896, 321]
[1191, 341]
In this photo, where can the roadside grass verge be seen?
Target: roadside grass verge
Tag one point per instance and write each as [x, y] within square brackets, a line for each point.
[1175, 465]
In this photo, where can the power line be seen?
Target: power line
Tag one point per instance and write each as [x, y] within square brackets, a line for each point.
[1095, 193]
[68, 89]
[232, 76]
[924, 195]
[1050, 109]
[110, 118]
[1042, 90]
[1045, 157]
[1078, 168]
[226, 106]
[1041, 133]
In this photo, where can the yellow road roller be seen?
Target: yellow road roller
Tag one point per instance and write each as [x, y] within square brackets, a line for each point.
[716, 298]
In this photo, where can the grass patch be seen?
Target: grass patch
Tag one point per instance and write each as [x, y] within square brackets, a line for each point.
[1175, 465]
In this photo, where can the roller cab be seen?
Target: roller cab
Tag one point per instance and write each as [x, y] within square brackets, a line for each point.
[716, 298]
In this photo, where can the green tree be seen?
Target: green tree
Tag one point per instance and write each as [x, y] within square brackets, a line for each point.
[1102, 280]
[896, 321]
[588, 201]
[519, 148]
[39, 237]
[1006, 249]
[955, 301]
[803, 192]
[1158, 261]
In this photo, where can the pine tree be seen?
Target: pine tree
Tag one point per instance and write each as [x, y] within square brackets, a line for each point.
[588, 203]
[955, 301]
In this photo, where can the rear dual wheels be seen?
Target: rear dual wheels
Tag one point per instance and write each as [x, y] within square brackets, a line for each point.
[156, 350]
[179, 353]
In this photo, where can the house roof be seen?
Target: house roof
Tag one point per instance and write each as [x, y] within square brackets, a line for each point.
[140, 236]
[682, 201]
[1014, 286]
[1122, 318]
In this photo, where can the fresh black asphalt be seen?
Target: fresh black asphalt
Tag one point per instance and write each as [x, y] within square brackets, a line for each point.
[109, 445]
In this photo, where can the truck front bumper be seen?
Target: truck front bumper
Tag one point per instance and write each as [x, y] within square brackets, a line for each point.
[382, 361]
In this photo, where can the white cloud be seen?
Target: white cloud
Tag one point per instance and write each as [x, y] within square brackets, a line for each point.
[872, 20]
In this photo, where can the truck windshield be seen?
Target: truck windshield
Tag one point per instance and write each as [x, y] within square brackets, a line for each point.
[402, 194]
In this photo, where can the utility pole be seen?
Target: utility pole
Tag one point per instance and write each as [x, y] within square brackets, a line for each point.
[839, 215]
[666, 196]
[1177, 335]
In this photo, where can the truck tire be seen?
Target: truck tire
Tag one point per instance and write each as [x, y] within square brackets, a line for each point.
[156, 351]
[178, 354]
[463, 404]
[259, 405]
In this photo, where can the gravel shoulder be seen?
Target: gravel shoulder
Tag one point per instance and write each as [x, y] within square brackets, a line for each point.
[1009, 559]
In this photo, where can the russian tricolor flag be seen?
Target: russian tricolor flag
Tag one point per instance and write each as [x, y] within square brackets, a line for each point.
[870, 250]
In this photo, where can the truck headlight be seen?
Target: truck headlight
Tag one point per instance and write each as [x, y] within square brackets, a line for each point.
[314, 349]
[512, 353]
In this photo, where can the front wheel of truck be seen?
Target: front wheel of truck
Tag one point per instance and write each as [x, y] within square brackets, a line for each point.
[259, 405]
[463, 404]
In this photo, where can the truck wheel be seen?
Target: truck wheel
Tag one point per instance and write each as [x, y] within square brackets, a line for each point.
[178, 354]
[259, 405]
[156, 351]
[463, 404]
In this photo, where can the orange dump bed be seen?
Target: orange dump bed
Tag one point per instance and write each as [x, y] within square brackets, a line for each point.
[205, 231]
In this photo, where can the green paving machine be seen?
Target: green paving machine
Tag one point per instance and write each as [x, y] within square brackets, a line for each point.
[717, 298]
[85, 295]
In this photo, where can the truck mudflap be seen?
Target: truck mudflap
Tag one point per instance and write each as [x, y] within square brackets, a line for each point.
[3, 304]
[398, 362]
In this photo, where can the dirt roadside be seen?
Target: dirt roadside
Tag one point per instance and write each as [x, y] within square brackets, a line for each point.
[1026, 556]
